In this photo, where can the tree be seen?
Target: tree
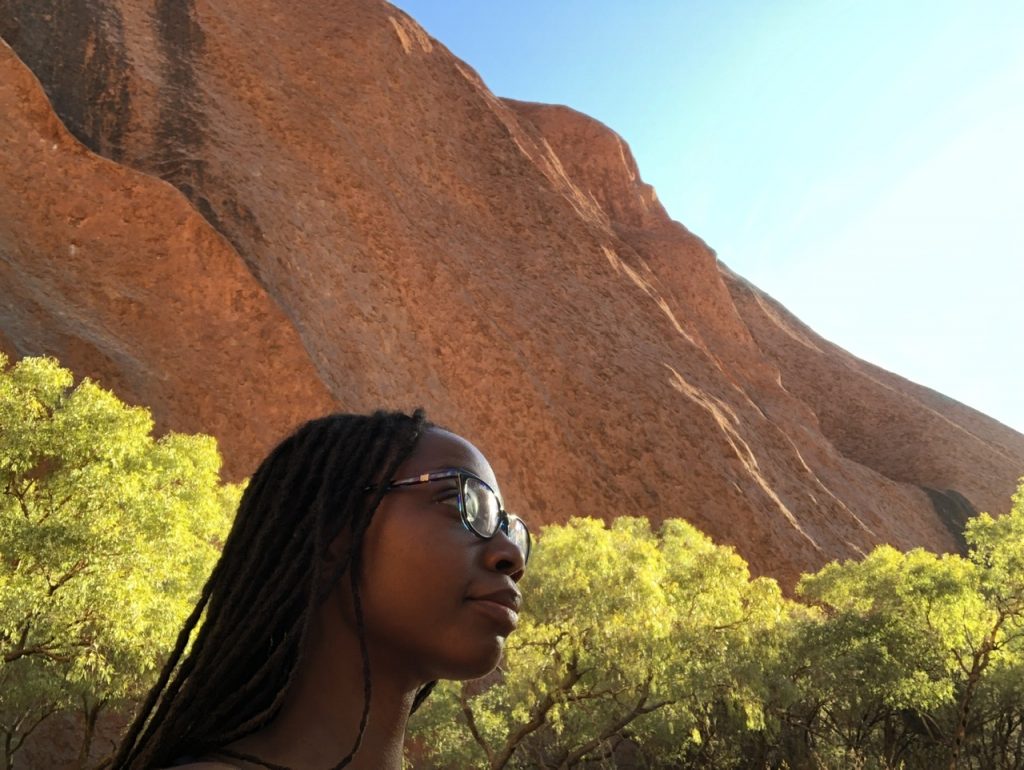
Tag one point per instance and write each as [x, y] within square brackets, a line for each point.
[919, 658]
[882, 651]
[653, 650]
[991, 693]
[106, 536]
[630, 643]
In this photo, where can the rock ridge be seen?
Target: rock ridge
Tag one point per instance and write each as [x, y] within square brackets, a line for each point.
[400, 236]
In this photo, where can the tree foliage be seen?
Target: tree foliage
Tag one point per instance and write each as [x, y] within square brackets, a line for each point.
[106, 536]
[638, 648]
[629, 637]
[918, 659]
[644, 649]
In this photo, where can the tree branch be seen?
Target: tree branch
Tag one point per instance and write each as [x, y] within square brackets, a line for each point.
[76, 569]
[467, 712]
[640, 708]
[539, 713]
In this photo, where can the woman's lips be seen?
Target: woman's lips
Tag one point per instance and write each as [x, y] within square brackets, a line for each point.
[507, 597]
[501, 614]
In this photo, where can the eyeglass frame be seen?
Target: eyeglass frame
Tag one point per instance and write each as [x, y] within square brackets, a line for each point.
[504, 517]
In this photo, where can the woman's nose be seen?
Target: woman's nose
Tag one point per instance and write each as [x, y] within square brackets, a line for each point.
[502, 555]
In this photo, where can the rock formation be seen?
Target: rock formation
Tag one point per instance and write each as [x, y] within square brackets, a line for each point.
[244, 214]
[115, 273]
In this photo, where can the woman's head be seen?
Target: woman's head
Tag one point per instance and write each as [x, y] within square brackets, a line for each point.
[320, 527]
[436, 595]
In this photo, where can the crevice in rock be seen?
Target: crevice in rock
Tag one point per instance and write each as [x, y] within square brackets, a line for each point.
[954, 511]
[88, 83]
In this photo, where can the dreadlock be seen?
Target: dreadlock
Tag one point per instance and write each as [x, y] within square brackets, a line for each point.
[257, 604]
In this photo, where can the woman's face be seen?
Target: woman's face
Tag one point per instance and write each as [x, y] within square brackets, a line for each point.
[437, 599]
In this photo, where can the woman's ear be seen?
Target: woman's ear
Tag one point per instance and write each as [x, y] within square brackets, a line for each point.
[337, 560]
[338, 549]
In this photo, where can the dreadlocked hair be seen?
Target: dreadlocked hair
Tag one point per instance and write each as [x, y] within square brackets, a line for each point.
[257, 604]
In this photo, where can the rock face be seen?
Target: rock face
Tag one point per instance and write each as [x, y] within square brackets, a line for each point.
[113, 272]
[264, 211]
[907, 432]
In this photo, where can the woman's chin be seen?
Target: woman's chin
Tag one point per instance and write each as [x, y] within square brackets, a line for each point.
[482, 662]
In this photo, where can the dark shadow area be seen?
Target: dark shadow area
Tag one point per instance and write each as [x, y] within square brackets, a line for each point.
[954, 510]
[87, 84]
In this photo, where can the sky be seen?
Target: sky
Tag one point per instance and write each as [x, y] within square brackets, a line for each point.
[861, 162]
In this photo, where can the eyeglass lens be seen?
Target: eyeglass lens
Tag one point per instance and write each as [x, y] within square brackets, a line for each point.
[483, 512]
[482, 508]
[519, 535]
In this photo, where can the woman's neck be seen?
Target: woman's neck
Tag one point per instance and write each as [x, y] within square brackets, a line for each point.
[318, 725]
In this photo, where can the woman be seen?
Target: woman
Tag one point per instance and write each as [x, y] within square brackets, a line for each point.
[370, 557]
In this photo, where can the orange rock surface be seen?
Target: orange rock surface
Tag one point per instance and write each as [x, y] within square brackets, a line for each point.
[114, 273]
[358, 221]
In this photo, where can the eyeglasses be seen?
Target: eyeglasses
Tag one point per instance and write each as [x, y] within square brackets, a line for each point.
[479, 507]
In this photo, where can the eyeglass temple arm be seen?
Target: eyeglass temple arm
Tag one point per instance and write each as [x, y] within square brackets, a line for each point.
[423, 478]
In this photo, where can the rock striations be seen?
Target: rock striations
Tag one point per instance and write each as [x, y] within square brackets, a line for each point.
[245, 214]
[115, 273]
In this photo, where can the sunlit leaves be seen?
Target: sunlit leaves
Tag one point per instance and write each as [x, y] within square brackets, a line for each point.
[627, 632]
[658, 648]
[106, 536]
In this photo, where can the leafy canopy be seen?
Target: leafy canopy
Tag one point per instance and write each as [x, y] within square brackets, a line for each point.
[627, 632]
[106, 536]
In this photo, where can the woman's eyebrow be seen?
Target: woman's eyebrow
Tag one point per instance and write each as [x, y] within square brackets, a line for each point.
[453, 469]
[459, 468]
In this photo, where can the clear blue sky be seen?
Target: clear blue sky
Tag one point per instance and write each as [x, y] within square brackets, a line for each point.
[861, 162]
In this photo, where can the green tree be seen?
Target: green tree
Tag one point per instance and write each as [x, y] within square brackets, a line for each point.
[632, 643]
[917, 660]
[106, 536]
[658, 650]
[990, 696]
[882, 652]
[727, 634]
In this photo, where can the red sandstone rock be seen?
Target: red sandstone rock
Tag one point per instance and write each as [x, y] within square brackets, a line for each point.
[501, 263]
[115, 274]
[359, 222]
[881, 420]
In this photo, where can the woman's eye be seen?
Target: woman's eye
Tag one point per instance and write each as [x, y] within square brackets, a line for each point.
[448, 497]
